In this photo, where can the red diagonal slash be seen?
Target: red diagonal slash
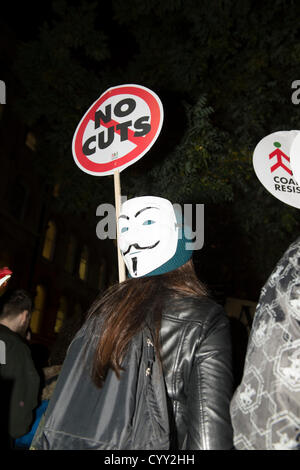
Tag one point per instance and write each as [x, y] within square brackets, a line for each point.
[141, 143]
[131, 138]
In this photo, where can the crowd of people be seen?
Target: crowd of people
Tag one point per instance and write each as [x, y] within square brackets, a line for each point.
[85, 392]
[29, 371]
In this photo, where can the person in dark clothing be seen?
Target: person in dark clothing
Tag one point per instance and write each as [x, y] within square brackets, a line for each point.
[190, 331]
[19, 380]
[49, 367]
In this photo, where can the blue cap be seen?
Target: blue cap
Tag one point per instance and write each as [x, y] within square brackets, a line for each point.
[182, 254]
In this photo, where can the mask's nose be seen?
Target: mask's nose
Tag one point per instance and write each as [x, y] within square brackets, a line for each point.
[126, 238]
[130, 235]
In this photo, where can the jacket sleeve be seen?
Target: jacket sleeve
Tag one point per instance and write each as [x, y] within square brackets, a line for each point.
[24, 393]
[210, 389]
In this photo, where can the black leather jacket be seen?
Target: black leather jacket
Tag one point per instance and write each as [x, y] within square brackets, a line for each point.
[196, 357]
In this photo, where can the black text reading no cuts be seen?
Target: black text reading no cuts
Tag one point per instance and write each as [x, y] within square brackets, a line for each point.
[141, 126]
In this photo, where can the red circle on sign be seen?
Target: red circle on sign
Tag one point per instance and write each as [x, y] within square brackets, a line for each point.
[142, 143]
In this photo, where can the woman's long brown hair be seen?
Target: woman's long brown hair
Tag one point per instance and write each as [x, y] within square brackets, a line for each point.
[125, 308]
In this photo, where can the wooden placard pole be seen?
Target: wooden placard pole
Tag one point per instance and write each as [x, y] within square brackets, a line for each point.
[117, 186]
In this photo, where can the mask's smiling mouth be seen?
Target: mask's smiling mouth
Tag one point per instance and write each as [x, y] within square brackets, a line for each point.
[138, 247]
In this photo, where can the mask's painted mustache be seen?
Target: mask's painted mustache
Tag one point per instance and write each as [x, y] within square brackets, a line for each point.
[138, 247]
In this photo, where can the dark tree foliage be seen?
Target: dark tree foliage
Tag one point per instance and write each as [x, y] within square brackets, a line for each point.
[62, 73]
[223, 70]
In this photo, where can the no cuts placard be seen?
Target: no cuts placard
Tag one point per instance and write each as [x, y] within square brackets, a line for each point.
[117, 130]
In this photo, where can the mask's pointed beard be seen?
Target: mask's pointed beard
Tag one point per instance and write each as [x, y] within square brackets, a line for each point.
[134, 266]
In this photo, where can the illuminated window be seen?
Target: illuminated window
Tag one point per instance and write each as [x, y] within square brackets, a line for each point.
[102, 275]
[39, 303]
[49, 243]
[31, 141]
[56, 190]
[83, 265]
[61, 314]
[71, 253]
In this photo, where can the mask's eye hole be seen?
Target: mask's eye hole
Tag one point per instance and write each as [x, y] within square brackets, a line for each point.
[124, 229]
[149, 222]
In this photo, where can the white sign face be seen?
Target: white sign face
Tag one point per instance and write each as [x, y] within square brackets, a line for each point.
[117, 130]
[271, 161]
[295, 157]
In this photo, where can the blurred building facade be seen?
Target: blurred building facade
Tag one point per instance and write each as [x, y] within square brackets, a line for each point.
[56, 257]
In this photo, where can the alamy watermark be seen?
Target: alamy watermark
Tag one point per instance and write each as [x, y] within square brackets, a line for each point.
[2, 352]
[2, 92]
[192, 216]
[296, 94]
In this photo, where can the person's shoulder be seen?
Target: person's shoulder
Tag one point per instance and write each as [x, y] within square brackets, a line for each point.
[6, 332]
[13, 341]
[202, 310]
